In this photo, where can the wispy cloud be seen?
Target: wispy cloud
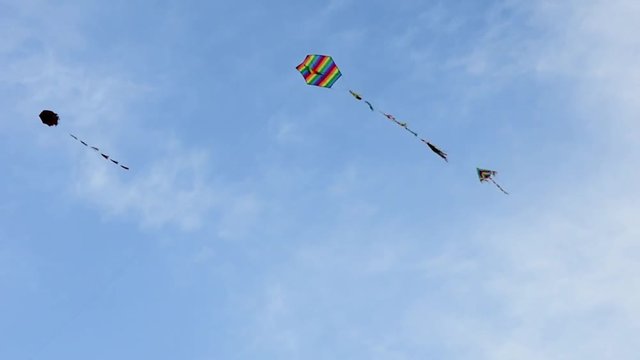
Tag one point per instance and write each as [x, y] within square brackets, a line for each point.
[174, 189]
[594, 44]
[562, 273]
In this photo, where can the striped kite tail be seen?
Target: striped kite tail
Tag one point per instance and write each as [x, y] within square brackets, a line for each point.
[499, 187]
[105, 156]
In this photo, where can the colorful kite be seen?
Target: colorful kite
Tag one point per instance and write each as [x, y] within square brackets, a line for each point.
[487, 175]
[50, 118]
[321, 70]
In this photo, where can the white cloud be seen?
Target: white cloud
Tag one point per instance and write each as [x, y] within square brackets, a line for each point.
[563, 272]
[275, 326]
[563, 286]
[174, 189]
[595, 45]
[239, 216]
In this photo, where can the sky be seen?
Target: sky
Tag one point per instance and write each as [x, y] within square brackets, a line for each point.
[266, 219]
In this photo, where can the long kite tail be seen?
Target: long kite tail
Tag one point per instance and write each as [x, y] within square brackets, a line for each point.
[499, 187]
[96, 149]
[403, 125]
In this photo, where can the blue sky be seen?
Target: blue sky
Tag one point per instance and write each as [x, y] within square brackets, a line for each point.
[267, 219]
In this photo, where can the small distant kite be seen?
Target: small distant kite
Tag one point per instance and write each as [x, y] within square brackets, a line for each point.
[487, 175]
[322, 71]
[50, 118]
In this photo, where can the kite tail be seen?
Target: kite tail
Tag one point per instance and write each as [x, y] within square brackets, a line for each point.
[411, 131]
[499, 187]
[403, 125]
[435, 149]
[105, 156]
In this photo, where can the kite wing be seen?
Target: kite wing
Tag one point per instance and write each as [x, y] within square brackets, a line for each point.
[49, 118]
[319, 70]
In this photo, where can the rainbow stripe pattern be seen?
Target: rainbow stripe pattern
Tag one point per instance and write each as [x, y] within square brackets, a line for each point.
[319, 70]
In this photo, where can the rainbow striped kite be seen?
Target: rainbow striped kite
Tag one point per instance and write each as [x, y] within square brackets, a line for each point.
[319, 70]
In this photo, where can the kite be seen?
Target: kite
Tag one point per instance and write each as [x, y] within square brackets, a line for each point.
[487, 175]
[319, 70]
[50, 118]
[322, 71]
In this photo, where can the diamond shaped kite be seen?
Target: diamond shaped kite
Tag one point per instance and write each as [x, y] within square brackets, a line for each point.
[487, 175]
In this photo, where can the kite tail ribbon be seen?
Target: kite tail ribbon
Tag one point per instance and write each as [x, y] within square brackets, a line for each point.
[355, 95]
[403, 125]
[369, 104]
[438, 152]
[411, 131]
[499, 187]
[105, 156]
